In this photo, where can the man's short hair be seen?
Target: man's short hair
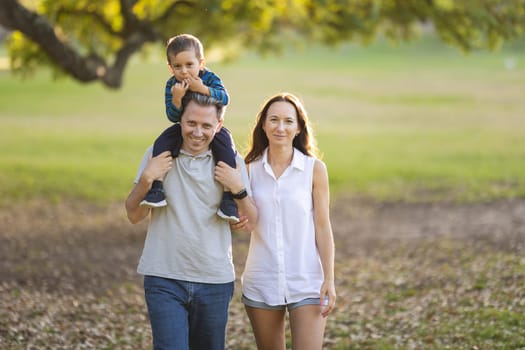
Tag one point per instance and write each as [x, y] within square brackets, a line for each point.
[203, 100]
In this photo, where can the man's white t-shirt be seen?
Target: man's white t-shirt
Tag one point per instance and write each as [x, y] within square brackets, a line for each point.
[186, 240]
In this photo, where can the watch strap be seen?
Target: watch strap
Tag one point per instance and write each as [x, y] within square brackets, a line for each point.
[243, 193]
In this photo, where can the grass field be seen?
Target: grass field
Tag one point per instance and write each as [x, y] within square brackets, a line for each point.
[414, 122]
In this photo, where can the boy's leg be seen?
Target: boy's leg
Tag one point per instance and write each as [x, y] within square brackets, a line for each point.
[167, 301]
[209, 315]
[169, 140]
[223, 149]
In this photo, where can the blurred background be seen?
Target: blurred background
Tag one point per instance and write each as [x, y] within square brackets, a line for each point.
[419, 112]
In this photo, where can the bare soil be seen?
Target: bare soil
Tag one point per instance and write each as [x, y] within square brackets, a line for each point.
[67, 271]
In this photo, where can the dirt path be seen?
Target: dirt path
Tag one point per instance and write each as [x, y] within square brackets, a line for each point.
[80, 246]
[360, 226]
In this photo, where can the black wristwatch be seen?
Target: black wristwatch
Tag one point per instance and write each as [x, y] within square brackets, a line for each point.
[243, 193]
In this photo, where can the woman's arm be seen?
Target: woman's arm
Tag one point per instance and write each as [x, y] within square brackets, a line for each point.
[323, 233]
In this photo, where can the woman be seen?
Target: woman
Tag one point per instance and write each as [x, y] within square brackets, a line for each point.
[290, 263]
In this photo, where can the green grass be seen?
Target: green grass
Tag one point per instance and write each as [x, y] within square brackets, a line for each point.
[413, 122]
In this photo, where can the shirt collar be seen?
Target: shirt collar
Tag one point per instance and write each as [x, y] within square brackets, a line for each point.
[201, 155]
[298, 159]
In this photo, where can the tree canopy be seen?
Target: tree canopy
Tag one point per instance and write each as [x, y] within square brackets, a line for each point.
[93, 40]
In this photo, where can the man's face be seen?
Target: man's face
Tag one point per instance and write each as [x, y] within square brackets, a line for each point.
[199, 125]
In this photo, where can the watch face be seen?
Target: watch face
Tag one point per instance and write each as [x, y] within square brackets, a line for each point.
[241, 194]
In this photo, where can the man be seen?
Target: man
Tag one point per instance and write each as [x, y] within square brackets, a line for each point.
[187, 258]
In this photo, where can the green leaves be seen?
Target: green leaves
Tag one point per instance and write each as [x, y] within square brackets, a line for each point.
[112, 31]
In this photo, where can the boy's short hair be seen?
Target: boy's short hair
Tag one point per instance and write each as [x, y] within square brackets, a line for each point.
[184, 42]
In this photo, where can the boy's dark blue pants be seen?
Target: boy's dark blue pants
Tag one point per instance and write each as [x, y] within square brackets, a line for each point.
[222, 146]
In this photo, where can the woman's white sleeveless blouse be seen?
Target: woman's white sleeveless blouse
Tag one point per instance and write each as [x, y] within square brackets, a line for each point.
[283, 264]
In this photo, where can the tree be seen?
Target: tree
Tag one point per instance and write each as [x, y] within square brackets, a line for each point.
[93, 40]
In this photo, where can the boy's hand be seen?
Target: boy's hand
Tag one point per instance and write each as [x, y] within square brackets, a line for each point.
[196, 85]
[177, 92]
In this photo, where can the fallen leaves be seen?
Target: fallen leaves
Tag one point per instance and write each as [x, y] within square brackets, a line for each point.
[424, 278]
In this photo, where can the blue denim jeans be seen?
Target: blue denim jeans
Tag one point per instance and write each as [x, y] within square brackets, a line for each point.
[187, 315]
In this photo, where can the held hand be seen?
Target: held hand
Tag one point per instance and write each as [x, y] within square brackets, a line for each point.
[241, 226]
[327, 292]
[158, 166]
[229, 177]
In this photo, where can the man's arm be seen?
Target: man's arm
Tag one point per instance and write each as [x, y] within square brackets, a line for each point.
[155, 169]
[136, 212]
[248, 215]
[237, 180]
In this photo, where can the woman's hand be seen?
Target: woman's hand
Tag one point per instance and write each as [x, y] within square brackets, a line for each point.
[327, 291]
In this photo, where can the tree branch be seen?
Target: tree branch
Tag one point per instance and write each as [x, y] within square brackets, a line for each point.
[80, 13]
[15, 16]
[126, 10]
[133, 44]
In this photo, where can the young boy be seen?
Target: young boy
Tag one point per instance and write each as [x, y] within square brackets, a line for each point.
[186, 63]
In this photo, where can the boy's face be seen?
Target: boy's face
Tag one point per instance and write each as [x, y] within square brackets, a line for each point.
[185, 64]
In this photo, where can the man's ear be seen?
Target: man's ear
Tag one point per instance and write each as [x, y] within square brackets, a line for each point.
[219, 125]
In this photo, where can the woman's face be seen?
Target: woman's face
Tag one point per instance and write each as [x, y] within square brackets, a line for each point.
[281, 125]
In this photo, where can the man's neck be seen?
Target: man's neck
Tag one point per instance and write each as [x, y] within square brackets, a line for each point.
[186, 152]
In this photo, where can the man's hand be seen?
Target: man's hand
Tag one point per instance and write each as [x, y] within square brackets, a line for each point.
[229, 177]
[156, 169]
[158, 166]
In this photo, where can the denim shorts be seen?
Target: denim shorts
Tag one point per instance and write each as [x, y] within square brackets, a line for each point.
[290, 306]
